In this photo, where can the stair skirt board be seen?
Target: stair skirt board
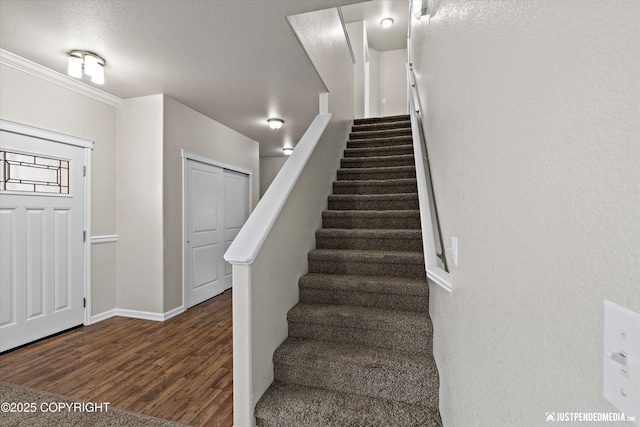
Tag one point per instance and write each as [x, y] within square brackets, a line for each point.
[360, 349]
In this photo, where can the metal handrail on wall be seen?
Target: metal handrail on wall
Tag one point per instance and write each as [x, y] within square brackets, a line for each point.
[426, 195]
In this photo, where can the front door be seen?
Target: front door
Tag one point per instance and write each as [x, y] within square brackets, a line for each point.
[42, 190]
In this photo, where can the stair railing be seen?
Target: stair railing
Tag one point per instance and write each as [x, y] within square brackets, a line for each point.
[433, 244]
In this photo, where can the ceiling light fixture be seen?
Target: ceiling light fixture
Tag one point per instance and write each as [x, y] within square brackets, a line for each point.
[91, 63]
[275, 123]
[287, 151]
[386, 22]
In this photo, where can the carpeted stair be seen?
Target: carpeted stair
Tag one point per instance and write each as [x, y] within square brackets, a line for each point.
[359, 351]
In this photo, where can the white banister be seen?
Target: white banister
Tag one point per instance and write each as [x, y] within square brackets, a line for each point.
[249, 240]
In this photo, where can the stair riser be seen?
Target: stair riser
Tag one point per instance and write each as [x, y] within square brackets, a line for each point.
[381, 126]
[379, 142]
[369, 244]
[373, 222]
[388, 119]
[376, 162]
[285, 405]
[364, 174]
[416, 271]
[363, 188]
[391, 151]
[414, 342]
[379, 205]
[378, 381]
[380, 134]
[361, 299]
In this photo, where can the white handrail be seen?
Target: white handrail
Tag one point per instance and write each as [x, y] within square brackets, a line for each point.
[427, 210]
[247, 244]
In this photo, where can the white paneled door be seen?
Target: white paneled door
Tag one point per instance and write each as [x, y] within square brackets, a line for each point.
[42, 270]
[204, 246]
[236, 212]
[216, 206]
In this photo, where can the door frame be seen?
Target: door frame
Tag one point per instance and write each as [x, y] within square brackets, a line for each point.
[187, 155]
[87, 145]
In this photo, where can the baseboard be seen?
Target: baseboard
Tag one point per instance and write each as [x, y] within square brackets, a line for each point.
[137, 314]
[103, 316]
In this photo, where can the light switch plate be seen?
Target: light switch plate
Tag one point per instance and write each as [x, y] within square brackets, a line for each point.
[454, 251]
[621, 364]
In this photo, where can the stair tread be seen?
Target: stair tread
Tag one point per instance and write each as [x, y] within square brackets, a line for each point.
[292, 404]
[365, 284]
[378, 158]
[354, 255]
[374, 182]
[374, 169]
[371, 213]
[390, 196]
[379, 319]
[371, 233]
[294, 349]
[379, 148]
[382, 119]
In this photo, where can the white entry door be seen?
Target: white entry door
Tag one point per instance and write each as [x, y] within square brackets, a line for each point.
[236, 212]
[204, 222]
[42, 191]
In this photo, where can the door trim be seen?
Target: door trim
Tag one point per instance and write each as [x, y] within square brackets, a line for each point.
[187, 155]
[87, 145]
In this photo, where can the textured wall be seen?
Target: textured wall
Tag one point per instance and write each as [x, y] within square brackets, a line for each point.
[357, 35]
[33, 101]
[269, 168]
[533, 131]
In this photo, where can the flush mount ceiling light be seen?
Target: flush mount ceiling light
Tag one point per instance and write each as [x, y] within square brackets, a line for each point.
[287, 151]
[386, 22]
[275, 123]
[89, 62]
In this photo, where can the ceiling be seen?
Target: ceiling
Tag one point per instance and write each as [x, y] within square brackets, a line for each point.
[372, 12]
[237, 62]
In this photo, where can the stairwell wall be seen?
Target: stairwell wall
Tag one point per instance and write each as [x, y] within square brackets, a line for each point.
[270, 284]
[532, 129]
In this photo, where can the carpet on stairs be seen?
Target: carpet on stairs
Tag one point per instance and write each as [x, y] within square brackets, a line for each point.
[359, 351]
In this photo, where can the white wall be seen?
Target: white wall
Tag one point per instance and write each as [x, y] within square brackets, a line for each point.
[357, 36]
[269, 168]
[185, 128]
[27, 99]
[393, 82]
[139, 190]
[374, 83]
[532, 129]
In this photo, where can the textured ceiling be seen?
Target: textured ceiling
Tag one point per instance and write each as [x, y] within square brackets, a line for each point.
[372, 12]
[236, 61]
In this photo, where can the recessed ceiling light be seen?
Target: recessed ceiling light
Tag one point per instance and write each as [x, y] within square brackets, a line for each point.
[386, 22]
[287, 151]
[275, 123]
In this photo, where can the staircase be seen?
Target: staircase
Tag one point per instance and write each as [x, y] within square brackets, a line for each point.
[359, 351]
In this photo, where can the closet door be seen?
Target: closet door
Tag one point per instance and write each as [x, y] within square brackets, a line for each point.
[236, 212]
[204, 247]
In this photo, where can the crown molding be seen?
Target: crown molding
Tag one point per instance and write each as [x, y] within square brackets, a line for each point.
[14, 61]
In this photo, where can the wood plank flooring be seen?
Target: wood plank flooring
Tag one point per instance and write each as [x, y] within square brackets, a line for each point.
[179, 370]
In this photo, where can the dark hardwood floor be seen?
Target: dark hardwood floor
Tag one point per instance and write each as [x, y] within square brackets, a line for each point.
[179, 370]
